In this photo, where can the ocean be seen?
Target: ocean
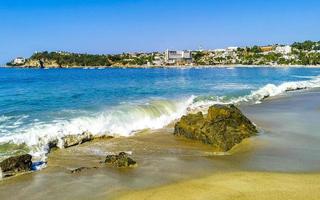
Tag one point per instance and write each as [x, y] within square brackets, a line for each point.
[38, 106]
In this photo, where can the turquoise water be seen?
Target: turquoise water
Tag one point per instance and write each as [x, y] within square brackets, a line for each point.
[37, 106]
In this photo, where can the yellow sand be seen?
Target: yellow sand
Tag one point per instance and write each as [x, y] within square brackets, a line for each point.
[242, 185]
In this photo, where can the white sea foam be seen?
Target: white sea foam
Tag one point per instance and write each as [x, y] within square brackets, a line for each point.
[3, 118]
[269, 90]
[7, 123]
[304, 77]
[125, 120]
[234, 86]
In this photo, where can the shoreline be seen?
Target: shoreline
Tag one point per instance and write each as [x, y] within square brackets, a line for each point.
[167, 163]
[168, 67]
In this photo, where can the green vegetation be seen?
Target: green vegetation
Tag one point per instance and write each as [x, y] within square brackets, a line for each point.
[65, 59]
[72, 59]
[306, 46]
[304, 53]
[198, 58]
[300, 53]
[133, 60]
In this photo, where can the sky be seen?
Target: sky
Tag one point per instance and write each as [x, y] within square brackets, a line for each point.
[116, 26]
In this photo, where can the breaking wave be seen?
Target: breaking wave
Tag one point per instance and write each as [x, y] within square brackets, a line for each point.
[123, 120]
[126, 120]
[269, 90]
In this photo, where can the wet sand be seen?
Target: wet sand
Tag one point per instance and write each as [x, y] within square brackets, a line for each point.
[282, 162]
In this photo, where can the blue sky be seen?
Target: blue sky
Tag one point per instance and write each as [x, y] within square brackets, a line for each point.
[115, 26]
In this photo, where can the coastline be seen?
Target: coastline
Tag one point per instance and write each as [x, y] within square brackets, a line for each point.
[169, 67]
[264, 167]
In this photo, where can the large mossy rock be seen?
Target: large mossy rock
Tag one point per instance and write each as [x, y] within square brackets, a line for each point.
[223, 127]
[16, 164]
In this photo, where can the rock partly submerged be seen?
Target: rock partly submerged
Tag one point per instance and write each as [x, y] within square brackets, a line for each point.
[81, 169]
[15, 165]
[72, 140]
[223, 127]
[122, 160]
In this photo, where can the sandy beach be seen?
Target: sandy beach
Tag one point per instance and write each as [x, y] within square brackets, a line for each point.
[242, 185]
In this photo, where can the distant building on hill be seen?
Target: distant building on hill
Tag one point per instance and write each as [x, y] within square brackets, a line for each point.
[219, 50]
[283, 49]
[172, 57]
[266, 48]
[232, 48]
[19, 61]
[64, 53]
[158, 59]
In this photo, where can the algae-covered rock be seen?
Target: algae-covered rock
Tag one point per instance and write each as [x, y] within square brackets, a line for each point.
[121, 160]
[16, 164]
[223, 127]
[72, 140]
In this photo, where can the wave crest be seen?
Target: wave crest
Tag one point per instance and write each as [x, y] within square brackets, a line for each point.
[123, 120]
[269, 90]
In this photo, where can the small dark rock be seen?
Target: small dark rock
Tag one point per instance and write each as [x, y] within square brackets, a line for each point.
[121, 160]
[16, 164]
[104, 137]
[52, 145]
[81, 169]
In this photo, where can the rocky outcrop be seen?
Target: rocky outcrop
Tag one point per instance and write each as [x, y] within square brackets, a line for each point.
[121, 160]
[36, 63]
[16, 164]
[72, 140]
[223, 127]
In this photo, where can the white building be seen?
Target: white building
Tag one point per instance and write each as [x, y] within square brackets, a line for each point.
[158, 60]
[283, 49]
[19, 61]
[219, 50]
[232, 48]
[178, 56]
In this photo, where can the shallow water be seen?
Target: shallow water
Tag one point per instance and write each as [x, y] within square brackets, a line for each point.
[38, 106]
[291, 132]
